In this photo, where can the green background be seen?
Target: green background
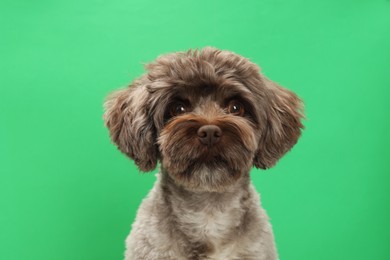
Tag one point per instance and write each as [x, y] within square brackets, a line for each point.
[67, 193]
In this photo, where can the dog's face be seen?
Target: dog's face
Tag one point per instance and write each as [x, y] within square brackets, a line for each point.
[207, 115]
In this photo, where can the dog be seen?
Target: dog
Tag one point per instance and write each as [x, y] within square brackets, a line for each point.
[207, 117]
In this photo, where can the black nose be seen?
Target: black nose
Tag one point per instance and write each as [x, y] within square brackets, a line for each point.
[209, 134]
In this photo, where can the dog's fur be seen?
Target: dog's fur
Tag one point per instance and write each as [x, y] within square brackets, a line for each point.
[203, 205]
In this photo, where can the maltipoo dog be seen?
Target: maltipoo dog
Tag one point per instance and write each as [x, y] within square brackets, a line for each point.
[208, 116]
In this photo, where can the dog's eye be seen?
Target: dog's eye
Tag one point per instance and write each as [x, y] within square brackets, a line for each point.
[236, 108]
[178, 109]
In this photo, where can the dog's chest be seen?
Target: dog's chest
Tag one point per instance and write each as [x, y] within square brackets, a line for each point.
[208, 225]
[213, 229]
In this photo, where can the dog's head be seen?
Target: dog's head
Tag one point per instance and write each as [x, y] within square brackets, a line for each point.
[207, 115]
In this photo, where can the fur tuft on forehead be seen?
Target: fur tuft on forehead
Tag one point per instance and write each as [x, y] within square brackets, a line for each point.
[208, 66]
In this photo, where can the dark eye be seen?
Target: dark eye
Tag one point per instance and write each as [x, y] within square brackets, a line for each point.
[236, 108]
[178, 109]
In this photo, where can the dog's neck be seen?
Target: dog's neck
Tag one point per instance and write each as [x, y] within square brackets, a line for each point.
[209, 219]
[204, 198]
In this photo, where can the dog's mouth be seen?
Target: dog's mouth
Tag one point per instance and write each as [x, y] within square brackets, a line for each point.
[215, 159]
[207, 168]
[210, 154]
[211, 161]
[211, 174]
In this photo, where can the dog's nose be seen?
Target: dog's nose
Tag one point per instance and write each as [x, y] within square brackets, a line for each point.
[209, 134]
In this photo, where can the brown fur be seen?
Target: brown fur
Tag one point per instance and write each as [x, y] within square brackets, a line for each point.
[195, 176]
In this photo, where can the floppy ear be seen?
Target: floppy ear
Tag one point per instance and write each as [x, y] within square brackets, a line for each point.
[283, 124]
[130, 126]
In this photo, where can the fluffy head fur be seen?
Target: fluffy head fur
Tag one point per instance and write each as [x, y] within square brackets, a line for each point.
[203, 82]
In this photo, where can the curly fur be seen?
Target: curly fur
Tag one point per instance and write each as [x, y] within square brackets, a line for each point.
[203, 205]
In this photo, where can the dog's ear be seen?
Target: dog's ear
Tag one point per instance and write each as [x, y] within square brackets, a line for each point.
[282, 125]
[131, 127]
